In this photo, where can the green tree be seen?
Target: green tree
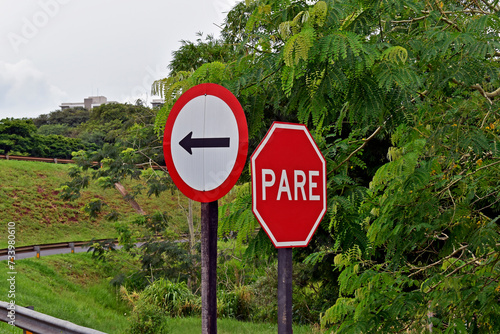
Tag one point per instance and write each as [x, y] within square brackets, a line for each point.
[191, 55]
[413, 238]
[127, 126]
[15, 136]
[54, 129]
[20, 137]
[401, 97]
[71, 117]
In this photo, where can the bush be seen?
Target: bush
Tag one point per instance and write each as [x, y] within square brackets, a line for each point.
[148, 319]
[266, 295]
[54, 129]
[174, 299]
[20, 137]
[157, 302]
[237, 304]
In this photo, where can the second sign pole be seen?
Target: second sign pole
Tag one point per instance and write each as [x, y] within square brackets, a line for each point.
[285, 289]
[209, 222]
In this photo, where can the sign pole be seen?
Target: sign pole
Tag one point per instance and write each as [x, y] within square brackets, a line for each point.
[209, 222]
[205, 145]
[285, 290]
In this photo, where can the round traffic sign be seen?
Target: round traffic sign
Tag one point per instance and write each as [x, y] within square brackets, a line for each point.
[288, 185]
[206, 142]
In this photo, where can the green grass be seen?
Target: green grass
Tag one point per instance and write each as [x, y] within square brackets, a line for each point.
[229, 326]
[72, 287]
[29, 197]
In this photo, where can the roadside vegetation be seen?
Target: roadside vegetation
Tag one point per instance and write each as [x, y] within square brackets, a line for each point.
[76, 288]
[80, 289]
[401, 97]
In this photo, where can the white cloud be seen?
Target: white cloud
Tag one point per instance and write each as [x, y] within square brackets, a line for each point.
[24, 90]
[92, 47]
[142, 90]
[222, 7]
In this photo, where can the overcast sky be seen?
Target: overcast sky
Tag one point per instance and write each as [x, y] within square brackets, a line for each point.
[55, 51]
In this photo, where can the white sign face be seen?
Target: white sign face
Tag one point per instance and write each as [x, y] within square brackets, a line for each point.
[204, 142]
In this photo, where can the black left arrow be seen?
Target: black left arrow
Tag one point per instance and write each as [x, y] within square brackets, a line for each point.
[188, 142]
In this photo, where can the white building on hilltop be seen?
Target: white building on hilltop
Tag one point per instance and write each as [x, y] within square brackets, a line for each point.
[157, 103]
[88, 103]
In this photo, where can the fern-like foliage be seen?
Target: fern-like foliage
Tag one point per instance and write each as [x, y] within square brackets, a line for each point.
[236, 217]
[345, 225]
[395, 54]
[339, 45]
[297, 47]
[172, 87]
[402, 98]
[209, 73]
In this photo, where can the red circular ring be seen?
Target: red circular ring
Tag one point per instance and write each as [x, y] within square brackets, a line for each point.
[233, 103]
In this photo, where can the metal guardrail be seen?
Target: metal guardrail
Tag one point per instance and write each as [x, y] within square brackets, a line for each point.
[59, 245]
[22, 158]
[72, 245]
[67, 161]
[37, 322]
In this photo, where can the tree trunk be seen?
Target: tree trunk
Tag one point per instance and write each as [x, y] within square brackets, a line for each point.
[130, 200]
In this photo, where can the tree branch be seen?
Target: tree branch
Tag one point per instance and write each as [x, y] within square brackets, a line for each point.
[468, 174]
[420, 269]
[262, 79]
[490, 205]
[411, 20]
[358, 149]
[490, 6]
[481, 198]
[485, 118]
[473, 261]
[445, 18]
[152, 161]
[486, 94]
[131, 201]
[480, 89]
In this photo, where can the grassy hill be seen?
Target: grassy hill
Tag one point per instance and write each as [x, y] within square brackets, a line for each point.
[29, 196]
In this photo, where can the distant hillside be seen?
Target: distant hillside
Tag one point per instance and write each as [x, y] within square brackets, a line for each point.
[29, 197]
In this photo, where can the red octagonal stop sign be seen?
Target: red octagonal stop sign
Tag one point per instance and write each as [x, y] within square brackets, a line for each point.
[288, 185]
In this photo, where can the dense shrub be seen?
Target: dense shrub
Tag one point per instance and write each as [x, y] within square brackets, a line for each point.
[148, 319]
[176, 299]
[54, 129]
[238, 303]
[71, 117]
[157, 302]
